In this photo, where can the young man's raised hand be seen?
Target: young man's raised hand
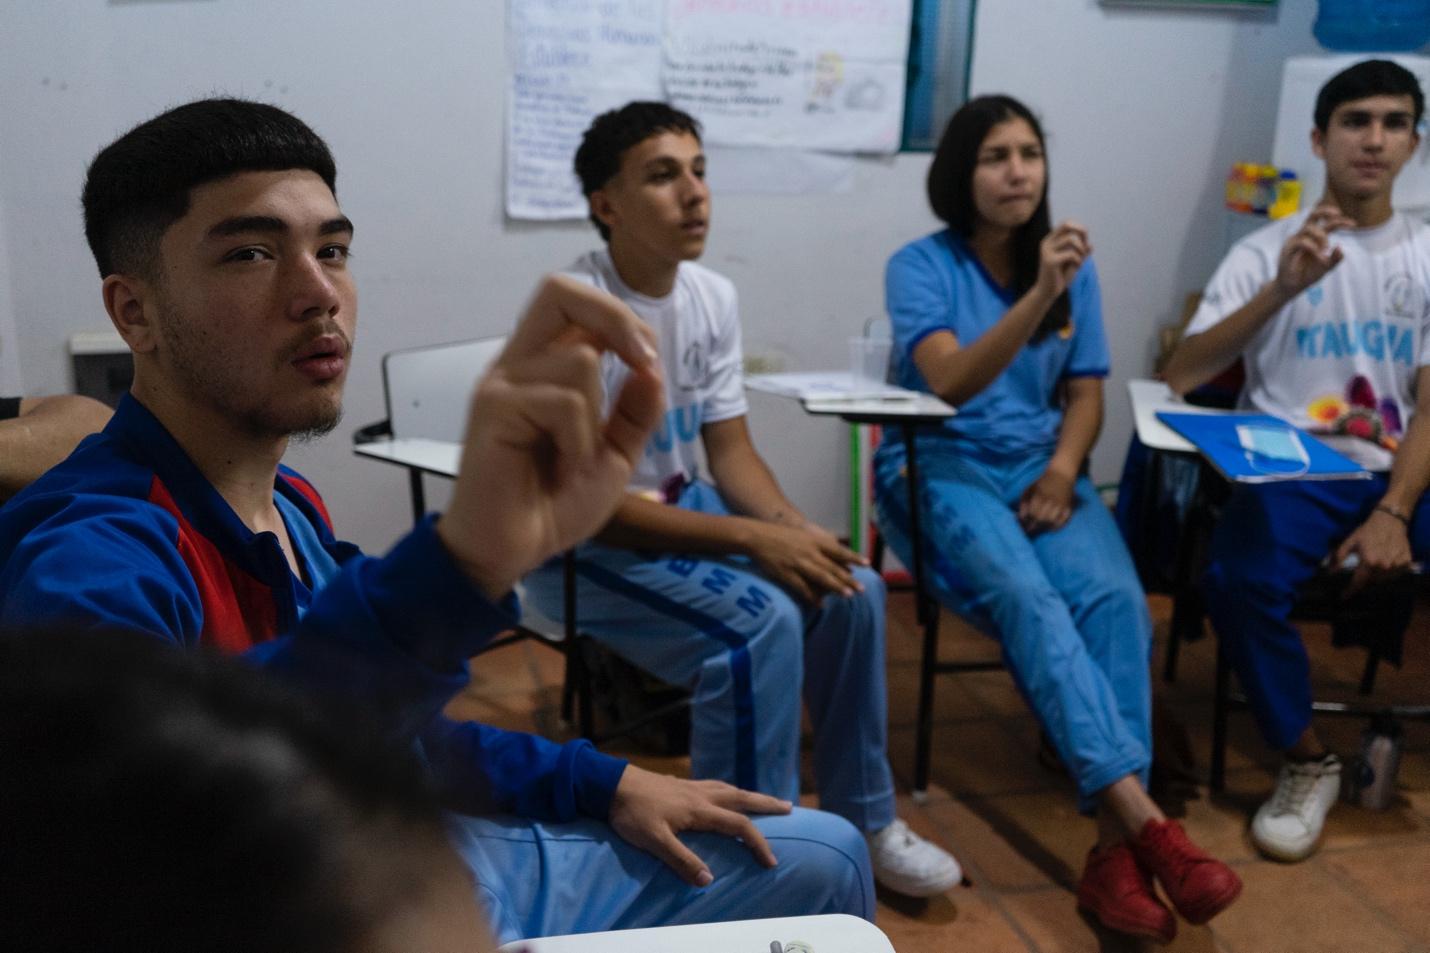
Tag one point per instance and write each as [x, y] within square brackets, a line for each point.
[541, 469]
[1308, 255]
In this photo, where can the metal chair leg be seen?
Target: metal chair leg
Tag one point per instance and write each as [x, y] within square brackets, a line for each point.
[1174, 646]
[578, 676]
[1220, 706]
[1367, 678]
[926, 611]
[928, 667]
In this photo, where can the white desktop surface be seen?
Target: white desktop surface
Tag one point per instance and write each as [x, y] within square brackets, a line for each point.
[810, 385]
[839, 392]
[916, 405]
[1149, 397]
[830, 933]
[432, 456]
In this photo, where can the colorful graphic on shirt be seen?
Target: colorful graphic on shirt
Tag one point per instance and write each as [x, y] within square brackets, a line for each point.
[1358, 414]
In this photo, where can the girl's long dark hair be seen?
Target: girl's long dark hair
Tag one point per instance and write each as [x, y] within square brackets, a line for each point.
[950, 192]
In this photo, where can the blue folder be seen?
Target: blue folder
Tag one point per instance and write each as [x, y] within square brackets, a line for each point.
[1215, 437]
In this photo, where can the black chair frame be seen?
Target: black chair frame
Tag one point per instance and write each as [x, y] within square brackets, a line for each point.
[1314, 605]
[577, 694]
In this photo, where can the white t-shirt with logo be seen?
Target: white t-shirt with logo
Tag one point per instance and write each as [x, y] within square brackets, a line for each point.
[698, 326]
[1340, 359]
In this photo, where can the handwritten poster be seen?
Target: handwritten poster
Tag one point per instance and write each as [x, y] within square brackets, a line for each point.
[570, 60]
[811, 75]
[806, 74]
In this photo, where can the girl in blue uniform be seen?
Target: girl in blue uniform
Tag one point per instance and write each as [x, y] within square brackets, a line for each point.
[1000, 315]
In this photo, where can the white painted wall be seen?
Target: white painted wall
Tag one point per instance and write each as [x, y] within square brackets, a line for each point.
[1145, 109]
[10, 381]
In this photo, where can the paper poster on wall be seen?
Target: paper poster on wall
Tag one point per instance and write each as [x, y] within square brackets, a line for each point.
[807, 74]
[570, 60]
[819, 76]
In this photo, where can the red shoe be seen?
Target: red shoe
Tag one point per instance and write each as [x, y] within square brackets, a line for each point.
[1117, 890]
[1199, 885]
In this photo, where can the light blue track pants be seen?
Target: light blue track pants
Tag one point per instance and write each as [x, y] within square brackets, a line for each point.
[1065, 606]
[536, 879]
[748, 652]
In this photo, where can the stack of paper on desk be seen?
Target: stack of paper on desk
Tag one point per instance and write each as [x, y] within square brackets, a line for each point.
[827, 385]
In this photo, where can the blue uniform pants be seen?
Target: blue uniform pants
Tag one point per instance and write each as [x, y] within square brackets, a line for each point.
[536, 879]
[1065, 606]
[748, 652]
[1271, 539]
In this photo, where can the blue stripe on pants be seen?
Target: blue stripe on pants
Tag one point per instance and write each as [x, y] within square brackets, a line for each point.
[744, 696]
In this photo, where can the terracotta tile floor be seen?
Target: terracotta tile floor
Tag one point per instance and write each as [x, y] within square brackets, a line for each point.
[1012, 824]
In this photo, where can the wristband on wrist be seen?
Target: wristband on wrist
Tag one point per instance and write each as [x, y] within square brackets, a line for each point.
[1394, 511]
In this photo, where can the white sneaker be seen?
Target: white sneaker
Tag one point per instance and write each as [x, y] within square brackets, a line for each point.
[906, 863]
[1288, 826]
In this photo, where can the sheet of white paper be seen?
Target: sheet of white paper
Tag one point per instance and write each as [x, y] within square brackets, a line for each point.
[570, 60]
[919, 405]
[826, 385]
[810, 74]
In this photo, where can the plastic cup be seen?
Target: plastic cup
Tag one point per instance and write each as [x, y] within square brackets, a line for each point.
[869, 359]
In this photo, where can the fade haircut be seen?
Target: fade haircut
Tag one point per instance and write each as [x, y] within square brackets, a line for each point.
[141, 183]
[1368, 78]
[598, 158]
[950, 192]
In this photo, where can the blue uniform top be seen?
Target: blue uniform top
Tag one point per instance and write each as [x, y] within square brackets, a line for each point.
[127, 534]
[938, 284]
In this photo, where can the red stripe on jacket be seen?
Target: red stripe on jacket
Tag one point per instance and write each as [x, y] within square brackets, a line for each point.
[310, 494]
[239, 610]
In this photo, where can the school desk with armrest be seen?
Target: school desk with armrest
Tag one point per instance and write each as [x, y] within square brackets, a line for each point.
[904, 410]
[828, 933]
[1319, 601]
[428, 393]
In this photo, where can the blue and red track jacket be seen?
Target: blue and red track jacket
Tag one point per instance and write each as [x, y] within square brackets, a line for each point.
[128, 535]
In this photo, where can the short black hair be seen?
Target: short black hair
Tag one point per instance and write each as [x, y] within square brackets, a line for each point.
[950, 191]
[598, 158]
[1368, 78]
[140, 184]
[156, 799]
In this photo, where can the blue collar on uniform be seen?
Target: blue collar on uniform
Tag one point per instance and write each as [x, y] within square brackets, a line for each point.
[961, 247]
[259, 554]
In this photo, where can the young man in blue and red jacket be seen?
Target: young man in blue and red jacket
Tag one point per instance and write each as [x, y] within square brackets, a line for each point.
[223, 254]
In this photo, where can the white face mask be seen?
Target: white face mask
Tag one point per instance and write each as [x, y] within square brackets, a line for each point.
[1273, 449]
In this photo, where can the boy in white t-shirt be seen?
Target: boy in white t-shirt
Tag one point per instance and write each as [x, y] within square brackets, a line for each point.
[1330, 313]
[722, 585]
